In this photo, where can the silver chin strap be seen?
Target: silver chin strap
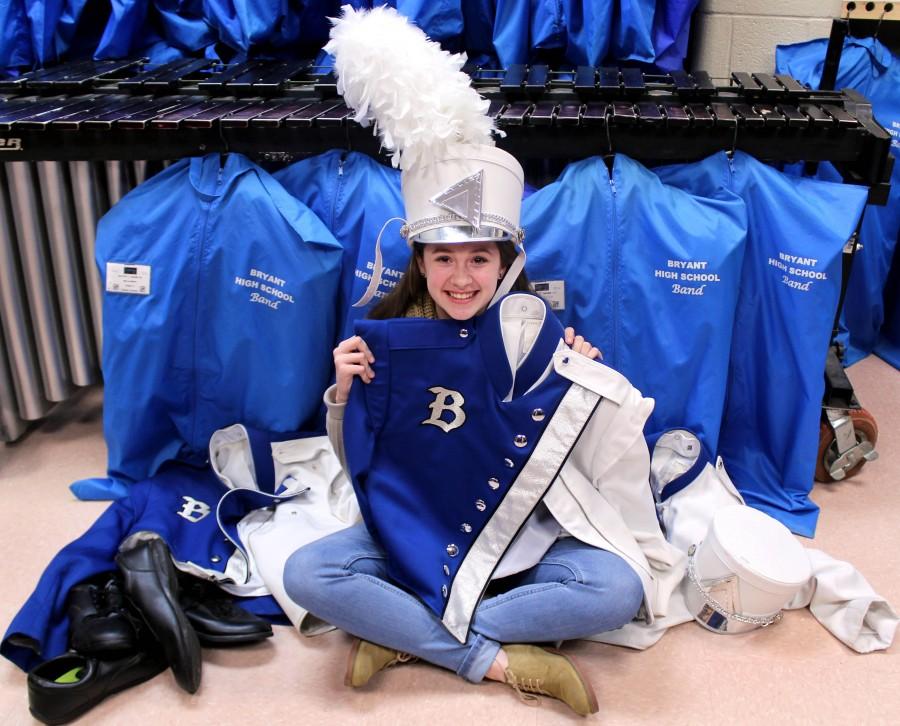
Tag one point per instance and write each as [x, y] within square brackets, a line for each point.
[512, 274]
[712, 608]
[375, 279]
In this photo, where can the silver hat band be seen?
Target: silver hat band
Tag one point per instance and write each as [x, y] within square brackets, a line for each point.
[464, 233]
[453, 228]
[716, 616]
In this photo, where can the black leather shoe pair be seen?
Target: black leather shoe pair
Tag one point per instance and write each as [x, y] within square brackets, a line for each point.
[151, 584]
[63, 688]
[183, 612]
[100, 623]
[217, 621]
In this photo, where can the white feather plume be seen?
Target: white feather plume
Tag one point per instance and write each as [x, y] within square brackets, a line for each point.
[389, 72]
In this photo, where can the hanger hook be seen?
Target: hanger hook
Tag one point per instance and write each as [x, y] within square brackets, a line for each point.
[609, 148]
[734, 138]
[878, 27]
[847, 7]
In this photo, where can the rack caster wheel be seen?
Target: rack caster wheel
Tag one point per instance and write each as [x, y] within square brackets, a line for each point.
[846, 442]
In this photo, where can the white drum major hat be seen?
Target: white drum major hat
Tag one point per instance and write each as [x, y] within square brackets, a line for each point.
[744, 571]
[456, 185]
[473, 194]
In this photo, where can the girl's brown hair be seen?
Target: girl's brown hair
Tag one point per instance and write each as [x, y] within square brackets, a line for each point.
[412, 285]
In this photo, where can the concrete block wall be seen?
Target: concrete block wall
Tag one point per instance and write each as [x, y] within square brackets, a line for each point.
[741, 35]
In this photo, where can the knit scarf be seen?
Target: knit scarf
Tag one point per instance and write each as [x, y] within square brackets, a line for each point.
[421, 307]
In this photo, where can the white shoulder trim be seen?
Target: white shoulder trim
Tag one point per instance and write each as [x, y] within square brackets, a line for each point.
[593, 375]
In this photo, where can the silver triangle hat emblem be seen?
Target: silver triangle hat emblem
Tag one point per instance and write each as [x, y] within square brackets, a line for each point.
[463, 198]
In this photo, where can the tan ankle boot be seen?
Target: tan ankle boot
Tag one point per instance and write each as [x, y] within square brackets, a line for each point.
[367, 659]
[547, 672]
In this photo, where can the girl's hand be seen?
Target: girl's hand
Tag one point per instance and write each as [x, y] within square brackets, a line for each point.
[352, 358]
[580, 345]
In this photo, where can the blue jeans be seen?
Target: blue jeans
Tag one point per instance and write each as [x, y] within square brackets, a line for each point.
[575, 591]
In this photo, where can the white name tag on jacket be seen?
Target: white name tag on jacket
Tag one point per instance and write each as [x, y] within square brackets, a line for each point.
[128, 278]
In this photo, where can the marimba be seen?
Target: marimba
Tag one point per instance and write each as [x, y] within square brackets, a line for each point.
[284, 110]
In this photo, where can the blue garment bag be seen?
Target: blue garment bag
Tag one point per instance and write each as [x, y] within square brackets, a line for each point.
[53, 24]
[587, 28]
[15, 39]
[126, 29]
[648, 273]
[243, 26]
[569, 239]
[163, 30]
[671, 29]
[354, 196]
[788, 296]
[632, 30]
[587, 32]
[869, 67]
[678, 262]
[219, 307]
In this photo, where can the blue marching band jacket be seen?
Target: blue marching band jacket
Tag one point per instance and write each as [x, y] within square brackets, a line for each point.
[217, 520]
[500, 416]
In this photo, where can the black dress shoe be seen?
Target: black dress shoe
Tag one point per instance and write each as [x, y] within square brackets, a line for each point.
[99, 622]
[151, 584]
[65, 687]
[216, 619]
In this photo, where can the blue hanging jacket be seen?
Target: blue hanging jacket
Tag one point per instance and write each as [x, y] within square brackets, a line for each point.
[671, 30]
[15, 39]
[478, 27]
[632, 30]
[587, 31]
[440, 19]
[163, 31]
[354, 196]
[869, 67]
[243, 26]
[182, 24]
[238, 322]
[788, 295]
[587, 28]
[511, 32]
[648, 273]
[52, 27]
[127, 30]
[222, 17]
[547, 26]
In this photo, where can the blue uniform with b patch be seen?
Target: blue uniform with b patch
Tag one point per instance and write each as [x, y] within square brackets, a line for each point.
[450, 451]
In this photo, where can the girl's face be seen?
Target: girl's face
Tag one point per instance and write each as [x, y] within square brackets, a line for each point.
[461, 278]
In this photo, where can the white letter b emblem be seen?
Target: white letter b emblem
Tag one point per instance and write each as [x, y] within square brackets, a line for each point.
[193, 510]
[446, 400]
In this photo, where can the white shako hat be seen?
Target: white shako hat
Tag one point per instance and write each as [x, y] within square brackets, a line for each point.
[456, 185]
[472, 195]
